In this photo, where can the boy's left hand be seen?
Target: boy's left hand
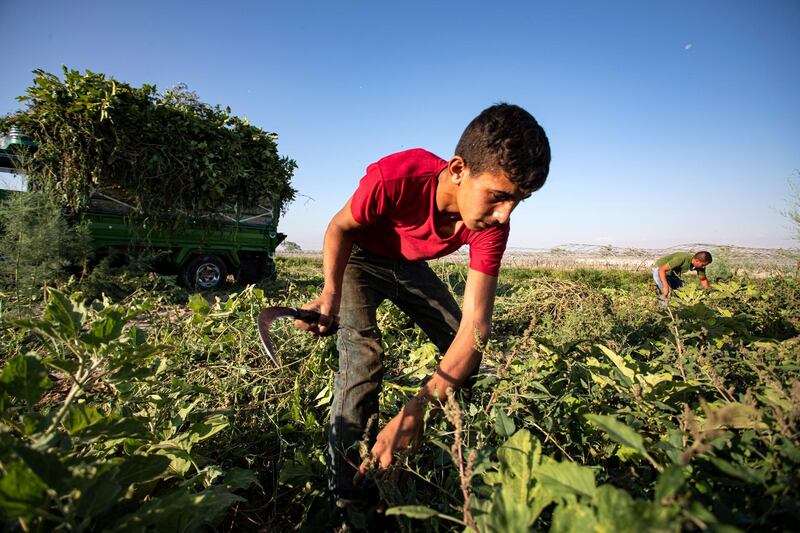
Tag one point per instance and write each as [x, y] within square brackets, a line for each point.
[399, 434]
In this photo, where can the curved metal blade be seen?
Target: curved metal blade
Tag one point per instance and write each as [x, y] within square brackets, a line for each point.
[265, 319]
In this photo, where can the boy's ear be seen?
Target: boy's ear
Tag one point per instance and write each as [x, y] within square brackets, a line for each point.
[457, 168]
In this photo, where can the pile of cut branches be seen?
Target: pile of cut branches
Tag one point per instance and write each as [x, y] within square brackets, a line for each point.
[162, 152]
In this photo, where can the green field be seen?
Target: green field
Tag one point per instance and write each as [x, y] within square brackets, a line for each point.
[596, 410]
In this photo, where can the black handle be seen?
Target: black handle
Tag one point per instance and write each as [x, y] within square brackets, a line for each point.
[313, 317]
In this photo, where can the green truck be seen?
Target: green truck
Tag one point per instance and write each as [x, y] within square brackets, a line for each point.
[203, 249]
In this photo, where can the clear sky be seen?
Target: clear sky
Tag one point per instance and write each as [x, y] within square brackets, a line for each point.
[670, 122]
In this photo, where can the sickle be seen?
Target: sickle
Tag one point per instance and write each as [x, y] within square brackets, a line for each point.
[269, 314]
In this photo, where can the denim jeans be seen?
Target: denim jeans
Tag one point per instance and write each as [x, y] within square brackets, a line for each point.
[674, 281]
[370, 279]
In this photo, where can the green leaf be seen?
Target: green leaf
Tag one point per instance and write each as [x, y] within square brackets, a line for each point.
[199, 305]
[80, 416]
[141, 468]
[110, 428]
[503, 425]
[540, 387]
[510, 511]
[101, 494]
[25, 378]
[181, 461]
[21, 491]
[565, 479]
[669, 482]
[625, 373]
[34, 422]
[239, 479]
[484, 382]
[208, 428]
[616, 510]
[745, 474]
[296, 409]
[65, 313]
[618, 431]
[519, 456]
[296, 473]
[789, 450]
[573, 517]
[699, 511]
[68, 366]
[180, 511]
[46, 466]
[106, 329]
[420, 512]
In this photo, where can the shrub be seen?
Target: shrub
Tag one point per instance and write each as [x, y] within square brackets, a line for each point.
[36, 243]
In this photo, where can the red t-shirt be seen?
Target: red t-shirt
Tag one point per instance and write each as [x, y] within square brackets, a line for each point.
[396, 200]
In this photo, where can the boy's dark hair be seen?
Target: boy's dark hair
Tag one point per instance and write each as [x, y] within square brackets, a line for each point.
[507, 138]
[703, 256]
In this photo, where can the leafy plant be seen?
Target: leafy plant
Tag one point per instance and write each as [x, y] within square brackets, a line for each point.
[36, 243]
[161, 152]
[645, 419]
[94, 427]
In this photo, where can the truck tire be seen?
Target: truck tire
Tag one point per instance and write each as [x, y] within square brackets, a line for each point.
[205, 272]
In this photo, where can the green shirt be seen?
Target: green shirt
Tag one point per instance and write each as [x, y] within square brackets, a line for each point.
[680, 262]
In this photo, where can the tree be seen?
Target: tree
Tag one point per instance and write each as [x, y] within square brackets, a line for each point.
[291, 247]
[36, 242]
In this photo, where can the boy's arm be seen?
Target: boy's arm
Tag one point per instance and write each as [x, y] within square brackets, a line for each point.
[473, 333]
[336, 250]
[454, 368]
[662, 274]
[701, 275]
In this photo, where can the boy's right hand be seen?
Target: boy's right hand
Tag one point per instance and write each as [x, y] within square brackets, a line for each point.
[326, 305]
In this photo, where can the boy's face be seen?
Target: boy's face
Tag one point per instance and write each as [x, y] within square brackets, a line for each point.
[487, 199]
[698, 264]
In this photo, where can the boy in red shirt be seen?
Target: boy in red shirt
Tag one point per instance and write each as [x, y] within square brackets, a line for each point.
[410, 207]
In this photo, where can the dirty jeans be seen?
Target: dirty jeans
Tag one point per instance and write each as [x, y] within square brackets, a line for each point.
[370, 279]
[674, 281]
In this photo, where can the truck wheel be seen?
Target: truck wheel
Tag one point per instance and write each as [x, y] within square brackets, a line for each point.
[205, 272]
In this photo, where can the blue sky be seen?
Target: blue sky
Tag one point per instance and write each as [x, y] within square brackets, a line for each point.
[670, 122]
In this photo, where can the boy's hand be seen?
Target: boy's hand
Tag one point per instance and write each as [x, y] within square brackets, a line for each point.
[327, 305]
[399, 434]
